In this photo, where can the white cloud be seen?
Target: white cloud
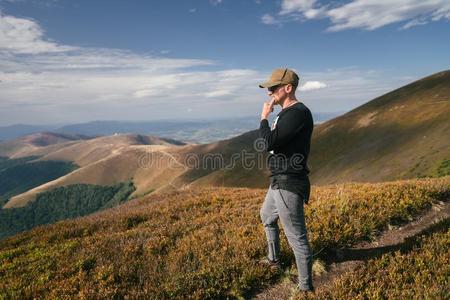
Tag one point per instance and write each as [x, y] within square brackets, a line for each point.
[66, 84]
[366, 14]
[192, 10]
[293, 6]
[18, 35]
[218, 93]
[347, 88]
[415, 22]
[269, 20]
[312, 85]
[371, 14]
[215, 2]
[93, 60]
[199, 85]
[69, 83]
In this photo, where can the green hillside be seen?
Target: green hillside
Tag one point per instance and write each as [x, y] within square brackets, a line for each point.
[62, 203]
[20, 175]
[6, 162]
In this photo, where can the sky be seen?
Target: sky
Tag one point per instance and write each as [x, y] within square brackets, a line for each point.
[75, 61]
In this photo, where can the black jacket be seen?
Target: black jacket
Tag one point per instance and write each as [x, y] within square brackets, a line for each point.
[289, 142]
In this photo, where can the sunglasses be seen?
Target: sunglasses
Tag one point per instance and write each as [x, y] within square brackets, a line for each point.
[272, 89]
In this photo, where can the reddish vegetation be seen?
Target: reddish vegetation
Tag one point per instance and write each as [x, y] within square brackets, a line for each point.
[193, 244]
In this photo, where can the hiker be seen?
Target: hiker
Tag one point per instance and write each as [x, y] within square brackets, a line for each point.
[288, 142]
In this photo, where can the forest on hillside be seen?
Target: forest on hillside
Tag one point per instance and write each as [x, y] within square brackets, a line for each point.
[22, 174]
[62, 203]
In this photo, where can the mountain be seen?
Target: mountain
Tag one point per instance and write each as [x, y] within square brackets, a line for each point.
[38, 144]
[402, 134]
[192, 131]
[153, 164]
[105, 161]
[233, 162]
[74, 179]
[17, 130]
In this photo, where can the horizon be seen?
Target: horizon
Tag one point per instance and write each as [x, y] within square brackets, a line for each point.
[329, 115]
[209, 58]
[216, 128]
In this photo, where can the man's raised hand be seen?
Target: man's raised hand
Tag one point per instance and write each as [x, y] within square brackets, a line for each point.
[267, 108]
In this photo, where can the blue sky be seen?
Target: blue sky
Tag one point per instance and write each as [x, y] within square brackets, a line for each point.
[73, 61]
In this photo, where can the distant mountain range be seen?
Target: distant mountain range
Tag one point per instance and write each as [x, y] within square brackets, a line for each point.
[200, 131]
[18, 130]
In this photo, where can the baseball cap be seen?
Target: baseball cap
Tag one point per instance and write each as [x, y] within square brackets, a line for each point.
[281, 76]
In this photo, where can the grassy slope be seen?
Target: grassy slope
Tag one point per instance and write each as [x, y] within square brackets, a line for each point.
[227, 171]
[194, 243]
[403, 134]
[37, 144]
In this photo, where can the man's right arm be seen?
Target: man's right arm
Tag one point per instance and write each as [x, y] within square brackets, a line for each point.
[288, 125]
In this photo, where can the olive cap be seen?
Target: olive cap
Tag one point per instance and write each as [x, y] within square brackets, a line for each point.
[281, 76]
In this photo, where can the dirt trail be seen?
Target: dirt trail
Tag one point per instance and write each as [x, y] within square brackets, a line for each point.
[346, 260]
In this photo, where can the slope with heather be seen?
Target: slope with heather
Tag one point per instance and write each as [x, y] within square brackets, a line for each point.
[195, 243]
[419, 270]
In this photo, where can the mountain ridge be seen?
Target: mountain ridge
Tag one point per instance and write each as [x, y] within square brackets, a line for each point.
[385, 138]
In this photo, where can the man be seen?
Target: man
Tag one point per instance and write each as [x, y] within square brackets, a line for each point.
[288, 142]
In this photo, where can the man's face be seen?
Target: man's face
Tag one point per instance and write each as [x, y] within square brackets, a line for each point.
[277, 92]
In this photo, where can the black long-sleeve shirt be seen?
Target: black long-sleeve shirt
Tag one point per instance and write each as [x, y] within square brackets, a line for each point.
[289, 143]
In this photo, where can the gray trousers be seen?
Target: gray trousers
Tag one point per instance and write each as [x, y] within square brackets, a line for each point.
[288, 207]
